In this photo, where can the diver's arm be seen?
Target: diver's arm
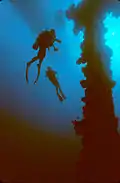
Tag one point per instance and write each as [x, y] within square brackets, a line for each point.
[57, 40]
[55, 49]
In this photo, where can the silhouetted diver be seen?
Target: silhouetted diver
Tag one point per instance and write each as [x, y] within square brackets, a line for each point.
[44, 41]
[51, 75]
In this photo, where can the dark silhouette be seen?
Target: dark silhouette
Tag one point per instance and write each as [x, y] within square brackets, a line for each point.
[100, 156]
[51, 75]
[44, 41]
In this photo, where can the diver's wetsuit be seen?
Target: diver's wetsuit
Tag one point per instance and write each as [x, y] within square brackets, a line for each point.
[44, 41]
[52, 77]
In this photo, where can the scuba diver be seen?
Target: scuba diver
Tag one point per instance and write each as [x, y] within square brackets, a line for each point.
[45, 40]
[51, 75]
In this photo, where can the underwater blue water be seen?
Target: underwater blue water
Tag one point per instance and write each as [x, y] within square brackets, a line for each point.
[38, 104]
[112, 40]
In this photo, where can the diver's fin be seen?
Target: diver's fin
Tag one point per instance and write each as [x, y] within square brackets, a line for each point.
[27, 68]
[60, 98]
[38, 66]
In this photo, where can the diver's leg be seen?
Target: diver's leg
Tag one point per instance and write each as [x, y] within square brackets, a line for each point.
[62, 93]
[41, 55]
[57, 89]
[39, 68]
[32, 61]
[28, 65]
[59, 96]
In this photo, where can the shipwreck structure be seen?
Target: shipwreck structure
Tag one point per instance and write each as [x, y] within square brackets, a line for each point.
[99, 160]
